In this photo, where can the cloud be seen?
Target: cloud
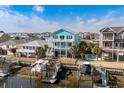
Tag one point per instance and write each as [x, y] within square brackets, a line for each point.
[112, 18]
[12, 21]
[16, 22]
[39, 8]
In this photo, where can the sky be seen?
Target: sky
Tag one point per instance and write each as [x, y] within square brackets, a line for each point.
[49, 18]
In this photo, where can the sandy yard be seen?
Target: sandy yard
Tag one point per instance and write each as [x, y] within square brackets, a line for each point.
[119, 65]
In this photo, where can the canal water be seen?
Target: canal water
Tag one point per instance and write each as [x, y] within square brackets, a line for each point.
[15, 81]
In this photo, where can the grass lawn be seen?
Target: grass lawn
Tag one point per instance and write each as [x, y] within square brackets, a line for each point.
[13, 58]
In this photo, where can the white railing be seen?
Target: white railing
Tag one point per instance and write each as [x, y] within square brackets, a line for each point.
[63, 40]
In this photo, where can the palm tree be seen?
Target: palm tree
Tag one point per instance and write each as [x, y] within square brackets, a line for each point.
[41, 51]
[46, 47]
[74, 50]
[89, 47]
[97, 50]
[82, 55]
[13, 50]
[83, 47]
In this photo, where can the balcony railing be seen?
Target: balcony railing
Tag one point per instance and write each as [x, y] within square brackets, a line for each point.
[104, 38]
[107, 47]
[119, 40]
[113, 48]
[63, 40]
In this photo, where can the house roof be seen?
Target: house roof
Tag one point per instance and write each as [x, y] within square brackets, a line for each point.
[13, 42]
[114, 29]
[63, 29]
[1, 33]
[117, 29]
[35, 43]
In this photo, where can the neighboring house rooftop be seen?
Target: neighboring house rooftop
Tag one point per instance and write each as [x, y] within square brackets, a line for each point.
[36, 43]
[1, 33]
[13, 42]
[115, 29]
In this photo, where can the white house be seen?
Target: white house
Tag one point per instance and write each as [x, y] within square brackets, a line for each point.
[28, 49]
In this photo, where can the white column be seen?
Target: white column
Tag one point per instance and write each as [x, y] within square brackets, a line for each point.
[60, 49]
[66, 48]
[101, 40]
[113, 47]
[118, 52]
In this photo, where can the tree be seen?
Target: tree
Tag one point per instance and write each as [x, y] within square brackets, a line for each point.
[41, 51]
[89, 46]
[74, 51]
[46, 47]
[82, 56]
[13, 50]
[17, 38]
[97, 50]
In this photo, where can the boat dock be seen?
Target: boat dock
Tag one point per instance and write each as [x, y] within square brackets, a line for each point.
[70, 66]
[21, 62]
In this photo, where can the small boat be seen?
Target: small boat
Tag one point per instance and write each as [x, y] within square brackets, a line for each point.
[100, 86]
[49, 80]
[53, 77]
[4, 72]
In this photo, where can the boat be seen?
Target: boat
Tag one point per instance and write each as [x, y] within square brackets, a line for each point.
[5, 69]
[49, 80]
[4, 72]
[52, 77]
[49, 68]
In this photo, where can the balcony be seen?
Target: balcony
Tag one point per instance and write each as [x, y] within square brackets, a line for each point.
[63, 40]
[105, 47]
[107, 39]
[120, 40]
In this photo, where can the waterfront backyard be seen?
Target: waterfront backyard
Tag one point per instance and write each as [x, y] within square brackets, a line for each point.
[24, 78]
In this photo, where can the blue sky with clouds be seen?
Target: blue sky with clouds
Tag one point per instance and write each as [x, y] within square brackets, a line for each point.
[24, 18]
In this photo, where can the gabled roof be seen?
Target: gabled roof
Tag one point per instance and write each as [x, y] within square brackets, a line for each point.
[113, 29]
[117, 29]
[67, 30]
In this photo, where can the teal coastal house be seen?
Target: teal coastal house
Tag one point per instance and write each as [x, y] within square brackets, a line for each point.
[63, 39]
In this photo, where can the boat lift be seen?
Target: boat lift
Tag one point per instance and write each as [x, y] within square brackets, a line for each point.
[50, 68]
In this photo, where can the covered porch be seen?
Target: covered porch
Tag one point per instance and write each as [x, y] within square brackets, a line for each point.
[25, 53]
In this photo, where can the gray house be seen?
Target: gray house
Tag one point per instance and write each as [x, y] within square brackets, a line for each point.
[112, 42]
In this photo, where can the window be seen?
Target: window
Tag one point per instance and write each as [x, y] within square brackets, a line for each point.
[120, 37]
[63, 52]
[116, 44]
[23, 47]
[62, 37]
[69, 37]
[55, 44]
[69, 44]
[121, 45]
[55, 37]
